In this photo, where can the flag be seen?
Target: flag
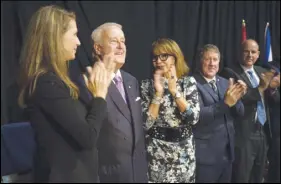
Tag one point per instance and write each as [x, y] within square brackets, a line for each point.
[244, 34]
[267, 41]
[268, 51]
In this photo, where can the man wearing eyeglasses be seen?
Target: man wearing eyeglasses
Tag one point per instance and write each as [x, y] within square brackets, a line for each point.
[214, 133]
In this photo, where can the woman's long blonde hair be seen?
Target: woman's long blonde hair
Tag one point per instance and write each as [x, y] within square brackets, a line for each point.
[169, 46]
[43, 50]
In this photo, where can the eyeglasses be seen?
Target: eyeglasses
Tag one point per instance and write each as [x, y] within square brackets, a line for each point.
[163, 57]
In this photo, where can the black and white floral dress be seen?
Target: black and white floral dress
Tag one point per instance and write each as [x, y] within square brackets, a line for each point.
[171, 161]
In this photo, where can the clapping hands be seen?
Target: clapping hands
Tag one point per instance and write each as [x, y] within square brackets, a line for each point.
[234, 92]
[99, 76]
[170, 75]
[172, 80]
[265, 80]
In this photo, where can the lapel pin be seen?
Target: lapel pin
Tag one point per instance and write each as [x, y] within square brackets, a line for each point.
[129, 87]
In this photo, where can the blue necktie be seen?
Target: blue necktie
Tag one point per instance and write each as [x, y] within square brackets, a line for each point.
[260, 108]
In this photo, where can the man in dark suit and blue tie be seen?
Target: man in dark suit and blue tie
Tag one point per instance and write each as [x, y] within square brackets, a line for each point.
[121, 145]
[253, 129]
[214, 133]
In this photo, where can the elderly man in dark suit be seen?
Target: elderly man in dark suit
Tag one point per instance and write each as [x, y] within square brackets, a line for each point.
[121, 145]
[214, 133]
[253, 129]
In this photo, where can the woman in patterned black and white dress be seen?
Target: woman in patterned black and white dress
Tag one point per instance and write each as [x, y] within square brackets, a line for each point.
[170, 106]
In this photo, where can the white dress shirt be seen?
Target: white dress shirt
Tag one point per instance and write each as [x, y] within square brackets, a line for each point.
[208, 80]
[253, 71]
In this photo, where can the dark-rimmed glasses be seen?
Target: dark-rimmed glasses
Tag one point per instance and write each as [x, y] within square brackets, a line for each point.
[163, 57]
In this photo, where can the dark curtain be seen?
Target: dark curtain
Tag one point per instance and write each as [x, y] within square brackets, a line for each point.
[191, 24]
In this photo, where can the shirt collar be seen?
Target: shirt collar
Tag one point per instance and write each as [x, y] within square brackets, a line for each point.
[207, 79]
[247, 69]
[118, 73]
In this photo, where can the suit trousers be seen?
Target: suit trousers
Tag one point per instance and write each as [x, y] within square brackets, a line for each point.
[250, 159]
[217, 173]
[274, 161]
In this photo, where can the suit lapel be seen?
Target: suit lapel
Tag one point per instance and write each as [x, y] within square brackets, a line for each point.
[128, 89]
[221, 88]
[211, 91]
[243, 75]
[131, 93]
[258, 71]
[206, 86]
[118, 101]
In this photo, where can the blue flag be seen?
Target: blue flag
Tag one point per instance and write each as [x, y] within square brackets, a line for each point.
[268, 50]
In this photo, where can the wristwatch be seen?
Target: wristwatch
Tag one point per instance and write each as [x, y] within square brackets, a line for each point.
[177, 95]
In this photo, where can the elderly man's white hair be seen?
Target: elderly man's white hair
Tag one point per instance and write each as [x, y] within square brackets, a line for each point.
[97, 33]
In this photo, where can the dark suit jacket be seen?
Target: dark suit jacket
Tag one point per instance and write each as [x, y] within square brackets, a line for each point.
[245, 125]
[66, 133]
[121, 145]
[274, 111]
[215, 127]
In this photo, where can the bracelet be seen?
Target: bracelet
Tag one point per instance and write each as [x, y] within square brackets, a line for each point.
[156, 100]
[177, 95]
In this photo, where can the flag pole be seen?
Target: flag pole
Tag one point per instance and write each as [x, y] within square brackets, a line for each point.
[268, 49]
[244, 35]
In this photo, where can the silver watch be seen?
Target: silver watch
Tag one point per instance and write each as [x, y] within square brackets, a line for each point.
[177, 95]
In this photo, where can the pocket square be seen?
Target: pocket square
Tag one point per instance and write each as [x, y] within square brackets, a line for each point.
[137, 99]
